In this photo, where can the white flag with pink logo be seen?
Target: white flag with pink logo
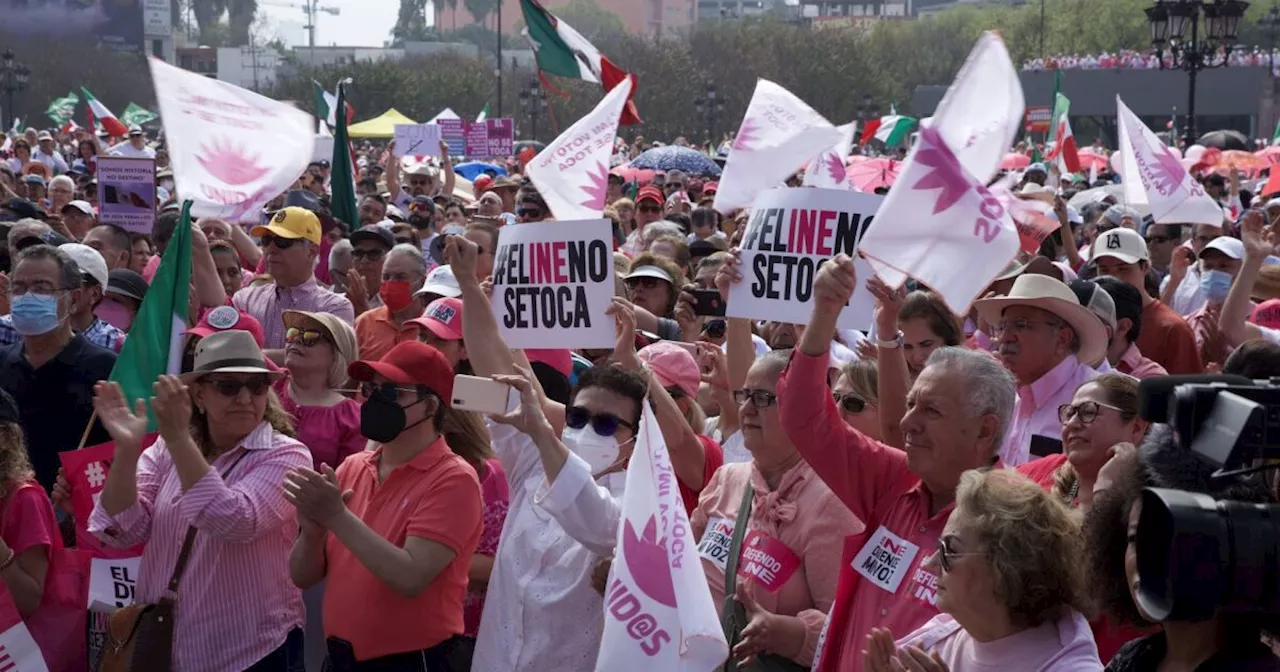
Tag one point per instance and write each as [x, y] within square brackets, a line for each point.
[232, 150]
[827, 171]
[572, 173]
[778, 134]
[1154, 175]
[658, 612]
[940, 224]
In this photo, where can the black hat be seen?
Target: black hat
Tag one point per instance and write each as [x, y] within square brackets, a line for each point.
[126, 283]
[702, 248]
[300, 198]
[8, 408]
[24, 208]
[377, 234]
[48, 238]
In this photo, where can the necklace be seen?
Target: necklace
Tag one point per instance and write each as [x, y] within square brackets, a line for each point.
[1075, 490]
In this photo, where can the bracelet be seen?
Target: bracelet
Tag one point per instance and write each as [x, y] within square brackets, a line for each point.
[895, 342]
[8, 561]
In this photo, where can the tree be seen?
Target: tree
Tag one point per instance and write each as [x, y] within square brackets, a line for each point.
[481, 9]
[411, 22]
[240, 15]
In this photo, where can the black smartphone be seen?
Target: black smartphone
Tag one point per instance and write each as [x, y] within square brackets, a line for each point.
[1042, 446]
[707, 302]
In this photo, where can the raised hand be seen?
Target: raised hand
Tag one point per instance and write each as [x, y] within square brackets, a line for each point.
[172, 404]
[460, 254]
[729, 274]
[125, 427]
[529, 417]
[834, 284]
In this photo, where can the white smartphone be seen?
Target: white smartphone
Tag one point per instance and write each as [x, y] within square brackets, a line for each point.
[483, 395]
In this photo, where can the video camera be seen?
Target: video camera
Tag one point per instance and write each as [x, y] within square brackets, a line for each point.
[1196, 554]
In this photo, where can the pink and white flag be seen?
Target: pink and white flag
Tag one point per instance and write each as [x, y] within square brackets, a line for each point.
[778, 134]
[18, 650]
[572, 173]
[658, 612]
[827, 171]
[1155, 176]
[232, 150]
[940, 224]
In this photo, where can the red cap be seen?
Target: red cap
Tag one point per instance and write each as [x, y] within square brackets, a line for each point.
[442, 318]
[410, 363]
[224, 318]
[482, 182]
[560, 360]
[710, 188]
[651, 194]
[1267, 314]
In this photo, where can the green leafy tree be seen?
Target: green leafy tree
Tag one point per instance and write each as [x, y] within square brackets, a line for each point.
[481, 9]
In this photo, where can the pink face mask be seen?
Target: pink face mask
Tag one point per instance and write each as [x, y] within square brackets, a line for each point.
[115, 315]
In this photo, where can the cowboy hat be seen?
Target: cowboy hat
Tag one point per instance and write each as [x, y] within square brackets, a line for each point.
[1046, 293]
[231, 351]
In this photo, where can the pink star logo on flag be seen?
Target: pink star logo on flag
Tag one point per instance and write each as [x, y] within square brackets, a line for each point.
[835, 168]
[746, 137]
[946, 175]
[230, 163]
[646, 558]
[597, 187]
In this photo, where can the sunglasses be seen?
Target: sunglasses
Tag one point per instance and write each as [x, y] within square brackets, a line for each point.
[385, 390]
[758, 398]
[649, 208]
[370, 255]
[647, 283]
[529, 213]
[279, 243]
[230, 387]
[305, 337]
[849, 403]
[604, 424]
[670, 186]
[945, 554]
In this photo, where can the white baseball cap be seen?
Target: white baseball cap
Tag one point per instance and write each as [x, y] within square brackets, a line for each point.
[1232, 247]
[82, 206]
[1124, 244]
[89, 260]
[441, 281]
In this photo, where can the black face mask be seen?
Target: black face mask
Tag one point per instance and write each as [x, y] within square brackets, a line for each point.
[383, 420]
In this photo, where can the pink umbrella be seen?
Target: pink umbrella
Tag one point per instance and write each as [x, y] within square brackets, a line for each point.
[641, 175]
[867, 176]
[1015, 161]
[1090, 157]
[1270, 154]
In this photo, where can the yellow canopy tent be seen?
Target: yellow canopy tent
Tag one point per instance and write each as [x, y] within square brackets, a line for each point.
[379, 127]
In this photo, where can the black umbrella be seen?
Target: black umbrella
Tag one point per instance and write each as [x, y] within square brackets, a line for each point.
[1225, 140]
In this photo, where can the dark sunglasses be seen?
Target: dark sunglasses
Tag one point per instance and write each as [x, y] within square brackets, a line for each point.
[849, 403]
[385, 390]
[649, 208]
[306, 337]
[715, 328]
[279, 243]
[371, 255]
[673, 186]
[604, 424]
[230, 387]
[529, 213]
[759, 398]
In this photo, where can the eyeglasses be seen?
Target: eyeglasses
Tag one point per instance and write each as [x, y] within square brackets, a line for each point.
[230, 387]
[604, 424]
[278, 242]
[850, 403]
[305, 337]
[367, 255]
[759, 398]
[1087, 411]
[385, 390]
[945, 554]
[42, 288]
[649, 208]
[715, 328]
[1022, 324]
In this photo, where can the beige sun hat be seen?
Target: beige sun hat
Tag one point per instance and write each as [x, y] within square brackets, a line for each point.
[1046, 293]
[231, 351]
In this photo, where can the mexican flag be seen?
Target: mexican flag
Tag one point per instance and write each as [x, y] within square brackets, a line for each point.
[561, 50]
[137, 115]
[326, 103]
[154, 346]
[890, 129]
[62, 109]
[342, 203]
[1061, 139]
[100, 112]
[484, 114]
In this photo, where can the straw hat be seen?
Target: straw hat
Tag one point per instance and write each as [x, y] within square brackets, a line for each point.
[231, 351]
[1045, 293]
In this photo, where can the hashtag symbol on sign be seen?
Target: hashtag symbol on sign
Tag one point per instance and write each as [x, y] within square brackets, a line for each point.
[96, 475]
[6, 661]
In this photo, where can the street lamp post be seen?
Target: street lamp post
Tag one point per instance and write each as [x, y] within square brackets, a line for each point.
[710, 104]
[1170, 21]
[1272, 23]
[533, 103]
[13, 79]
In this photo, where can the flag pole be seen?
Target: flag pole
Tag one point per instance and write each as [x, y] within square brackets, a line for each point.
[84, 437]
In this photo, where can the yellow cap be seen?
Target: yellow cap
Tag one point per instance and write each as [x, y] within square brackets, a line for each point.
[291, 223]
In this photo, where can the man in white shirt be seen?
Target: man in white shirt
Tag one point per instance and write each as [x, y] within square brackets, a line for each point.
[47, 153]
[135, 147]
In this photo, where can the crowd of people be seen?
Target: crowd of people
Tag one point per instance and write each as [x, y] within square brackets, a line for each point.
[1130, 59]
[948, 492]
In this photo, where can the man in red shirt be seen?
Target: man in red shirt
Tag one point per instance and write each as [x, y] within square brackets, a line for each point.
[958, 411]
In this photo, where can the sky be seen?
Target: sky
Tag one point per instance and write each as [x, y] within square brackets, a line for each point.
[361, 23]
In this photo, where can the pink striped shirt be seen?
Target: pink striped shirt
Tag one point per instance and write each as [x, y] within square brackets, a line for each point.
[236, 602]
[268, 302]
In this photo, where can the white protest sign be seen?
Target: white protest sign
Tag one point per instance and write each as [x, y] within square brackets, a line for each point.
[127, 193]
[18, 649]
[113, 582]
[552, 282]
[232, 150]
[417, 140]
[791, 233]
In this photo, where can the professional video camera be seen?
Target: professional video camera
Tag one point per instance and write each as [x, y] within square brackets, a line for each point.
[1196, 554]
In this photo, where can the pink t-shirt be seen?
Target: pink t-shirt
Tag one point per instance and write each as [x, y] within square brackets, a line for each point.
[29, 523]
[496, 496]
[331, 433]
[1065, 645]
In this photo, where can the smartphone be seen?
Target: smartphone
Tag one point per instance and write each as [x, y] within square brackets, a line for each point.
[1042, 446]
[707, 302]
[483, 395]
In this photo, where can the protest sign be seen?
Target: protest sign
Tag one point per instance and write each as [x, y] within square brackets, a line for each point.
[324, 148]
[18, 650]
[86, 471]
[127, 193]
[417, 140]
[552, 282]
[113, 582]
[790, 234]
[501, 137]
[232, 150]
[454, 133]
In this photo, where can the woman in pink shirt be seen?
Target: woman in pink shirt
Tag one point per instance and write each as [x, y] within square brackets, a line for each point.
[797, 528]
[319, 346]
[213, 476]
[1010, 587]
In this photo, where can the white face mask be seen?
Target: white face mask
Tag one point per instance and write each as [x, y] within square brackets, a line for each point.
[599, 452]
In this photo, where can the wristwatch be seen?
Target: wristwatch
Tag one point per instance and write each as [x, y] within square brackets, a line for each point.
[895, 342]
